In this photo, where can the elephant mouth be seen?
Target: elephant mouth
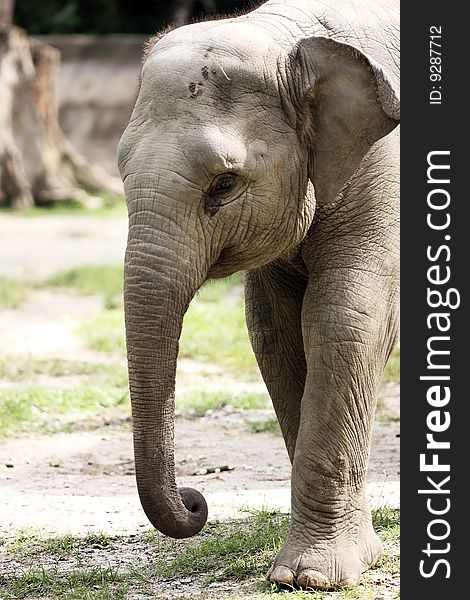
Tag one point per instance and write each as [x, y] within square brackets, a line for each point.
[227, 264]
[232, 260]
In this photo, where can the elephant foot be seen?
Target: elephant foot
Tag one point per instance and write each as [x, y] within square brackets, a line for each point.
[320, 561]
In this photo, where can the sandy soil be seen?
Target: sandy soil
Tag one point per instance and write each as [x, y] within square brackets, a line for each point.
[37, 247]
[80, 481]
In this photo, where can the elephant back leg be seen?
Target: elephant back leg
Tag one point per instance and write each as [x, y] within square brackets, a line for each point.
[274, 296]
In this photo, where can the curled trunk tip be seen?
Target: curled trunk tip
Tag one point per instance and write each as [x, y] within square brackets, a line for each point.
[181, 522]
[196, 504]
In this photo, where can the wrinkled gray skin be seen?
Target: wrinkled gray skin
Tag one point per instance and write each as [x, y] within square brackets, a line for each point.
[298, 101]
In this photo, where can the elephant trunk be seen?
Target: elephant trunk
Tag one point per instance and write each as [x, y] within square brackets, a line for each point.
[158, 287]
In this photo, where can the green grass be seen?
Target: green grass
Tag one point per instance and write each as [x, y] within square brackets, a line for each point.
[36, 405]
[80, 583]
[200, 402]
[242, 552]
[99, 388]
[33, 406]
[104, 332]
[112, 206]
[269, 425]
[392, 368]
[12, 293]
[32, 543]
[26, 368]
[386, 419]
[94, 279]
[95, 389]
[214, 329]
[387, 523]
[239, 551]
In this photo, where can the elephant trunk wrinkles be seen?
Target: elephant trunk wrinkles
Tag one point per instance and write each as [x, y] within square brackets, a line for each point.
[157, 290]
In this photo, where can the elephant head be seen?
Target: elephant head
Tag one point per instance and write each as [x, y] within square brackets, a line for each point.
[230, 128]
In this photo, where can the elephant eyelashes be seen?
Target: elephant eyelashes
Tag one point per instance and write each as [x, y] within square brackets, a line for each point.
[227, 186]
[223, 184]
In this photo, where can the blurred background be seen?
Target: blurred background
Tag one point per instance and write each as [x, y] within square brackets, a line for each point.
[68, 79]
[100, 44]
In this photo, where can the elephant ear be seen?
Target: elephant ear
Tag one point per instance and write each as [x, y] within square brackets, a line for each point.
[347, 102]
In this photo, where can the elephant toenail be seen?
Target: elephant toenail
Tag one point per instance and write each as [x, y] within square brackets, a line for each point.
[310, 579]
[348, 582]
[281, 575]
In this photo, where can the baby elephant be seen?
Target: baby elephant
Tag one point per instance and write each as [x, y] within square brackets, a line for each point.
[268, 143]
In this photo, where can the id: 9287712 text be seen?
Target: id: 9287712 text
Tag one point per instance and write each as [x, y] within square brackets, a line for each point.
[435, 64]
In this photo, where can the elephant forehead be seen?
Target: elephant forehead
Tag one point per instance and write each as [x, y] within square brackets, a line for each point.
[233, 38]
[222, 65]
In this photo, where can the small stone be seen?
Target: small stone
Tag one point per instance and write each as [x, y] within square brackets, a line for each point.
[9, 465]
[186, 580]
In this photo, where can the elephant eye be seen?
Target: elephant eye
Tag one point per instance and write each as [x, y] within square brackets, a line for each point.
[223, 184]
[225, 188]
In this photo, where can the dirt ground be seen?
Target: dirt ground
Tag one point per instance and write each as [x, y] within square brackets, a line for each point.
[37, 247]
[85, 479]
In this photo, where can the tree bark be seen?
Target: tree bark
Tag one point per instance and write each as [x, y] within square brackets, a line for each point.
[6, 12]
[37, 164]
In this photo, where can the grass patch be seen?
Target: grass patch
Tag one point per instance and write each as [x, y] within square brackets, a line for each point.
[392, 368]
[238, 551]
[31, 543]
[241, 550]
[36, 405]
[12, 293]
[104, 332]
[112, 205]
[386, 419]
[80, 583]
[269, 425]
[386, 522]
[200, 402]
[214, 329]
[23, 368]
[99, 388]
[94, 279]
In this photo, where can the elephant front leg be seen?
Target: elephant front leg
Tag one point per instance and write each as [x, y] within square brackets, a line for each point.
[348, 334]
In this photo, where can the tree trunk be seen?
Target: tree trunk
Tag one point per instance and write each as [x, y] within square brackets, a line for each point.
[37, 164]
[6, 11]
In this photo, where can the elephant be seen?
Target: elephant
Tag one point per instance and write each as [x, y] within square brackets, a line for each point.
[268, 143]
